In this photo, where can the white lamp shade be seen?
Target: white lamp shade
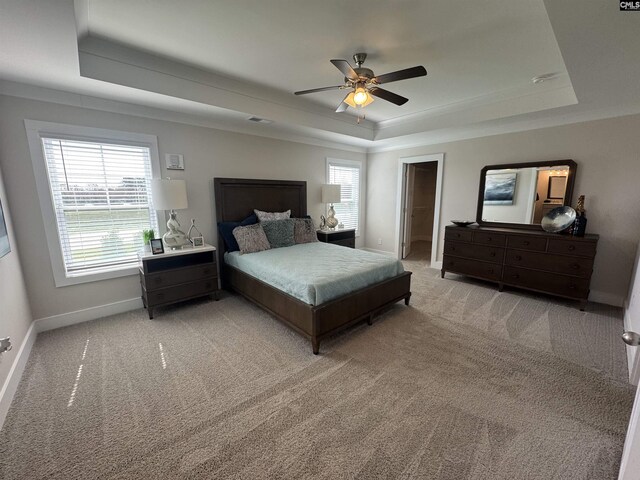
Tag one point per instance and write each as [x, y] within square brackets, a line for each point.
[330, 193]
[169, 194]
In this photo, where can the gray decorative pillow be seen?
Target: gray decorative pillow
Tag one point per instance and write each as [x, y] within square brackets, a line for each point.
[304, 231]
[279, 232]
[266, 216]
[251, 238]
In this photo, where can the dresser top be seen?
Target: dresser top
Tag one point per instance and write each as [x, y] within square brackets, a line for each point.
[539, 233]
[143, 255]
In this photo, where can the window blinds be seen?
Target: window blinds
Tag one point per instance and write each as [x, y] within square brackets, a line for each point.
[102, 199]
[348, 210]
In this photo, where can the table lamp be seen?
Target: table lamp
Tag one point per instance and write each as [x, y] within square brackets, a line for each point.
[171, 195]
[331, 195]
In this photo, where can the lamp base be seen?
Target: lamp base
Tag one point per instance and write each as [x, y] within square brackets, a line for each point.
[332, 221]
[174, 238]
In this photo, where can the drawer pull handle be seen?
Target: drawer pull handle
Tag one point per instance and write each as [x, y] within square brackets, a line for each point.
[453, 249]
[575, 266]
[525, 243]
[518, 257]
[515, 275]
[488, 239]
[492, 254]
[572, 248]
[491, 270]
[572, 286]
[458, 235]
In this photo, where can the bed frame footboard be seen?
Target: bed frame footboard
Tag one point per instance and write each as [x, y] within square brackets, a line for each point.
[318, 322]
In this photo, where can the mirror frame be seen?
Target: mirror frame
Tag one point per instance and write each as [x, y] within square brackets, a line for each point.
[571, 177]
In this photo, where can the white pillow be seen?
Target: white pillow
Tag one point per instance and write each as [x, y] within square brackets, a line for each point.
[265, 216]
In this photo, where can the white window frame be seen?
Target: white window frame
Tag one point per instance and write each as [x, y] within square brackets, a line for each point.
[361, 192]
[35, 131]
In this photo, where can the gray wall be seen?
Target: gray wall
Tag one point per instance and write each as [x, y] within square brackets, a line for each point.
[15, 315]
[608, 157]
[207, 153]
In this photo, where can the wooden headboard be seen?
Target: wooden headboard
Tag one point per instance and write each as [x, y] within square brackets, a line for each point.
[237, 197]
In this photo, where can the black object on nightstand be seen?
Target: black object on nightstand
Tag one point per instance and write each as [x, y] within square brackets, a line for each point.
[178, 275]
[344, 237]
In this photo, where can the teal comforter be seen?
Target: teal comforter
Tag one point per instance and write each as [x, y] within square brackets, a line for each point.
[316, 272]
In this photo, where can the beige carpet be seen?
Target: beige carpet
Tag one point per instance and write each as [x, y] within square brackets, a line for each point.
[466, 383]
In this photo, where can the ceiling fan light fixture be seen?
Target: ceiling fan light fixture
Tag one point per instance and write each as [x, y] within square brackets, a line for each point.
[360, 96]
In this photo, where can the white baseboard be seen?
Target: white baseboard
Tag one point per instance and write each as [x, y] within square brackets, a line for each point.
[381, 252]
[79, 316]
[15, 373]
[606, 298]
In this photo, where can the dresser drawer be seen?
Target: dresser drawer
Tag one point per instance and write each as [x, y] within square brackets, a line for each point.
[539, 244]
[572, 247]
[181, 292]
[474, 268]
[347, 242]
[458, 234]
[177, 276]
[488, 238]
[563, 285]
[477, 252]
[578, 266]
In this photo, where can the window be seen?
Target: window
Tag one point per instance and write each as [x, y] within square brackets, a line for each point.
[347, 175]
[99, 192]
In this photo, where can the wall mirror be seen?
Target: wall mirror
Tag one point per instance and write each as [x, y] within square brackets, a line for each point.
[520, 194]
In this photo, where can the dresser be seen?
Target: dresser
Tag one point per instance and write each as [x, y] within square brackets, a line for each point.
[534, 260]
[177, 275]
[345, 237]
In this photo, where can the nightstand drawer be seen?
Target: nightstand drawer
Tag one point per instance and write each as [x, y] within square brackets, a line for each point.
[348, 242]
[181, 292]
[177, 276]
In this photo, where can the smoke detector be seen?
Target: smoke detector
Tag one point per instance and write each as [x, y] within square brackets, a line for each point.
[259, 120]
[544, 77]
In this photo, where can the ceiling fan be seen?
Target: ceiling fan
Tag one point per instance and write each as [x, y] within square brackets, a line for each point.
[364, 83]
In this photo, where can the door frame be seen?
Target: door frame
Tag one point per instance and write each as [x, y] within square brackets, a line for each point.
[400, 202]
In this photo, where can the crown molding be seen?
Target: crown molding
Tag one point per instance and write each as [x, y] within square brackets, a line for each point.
[236, 123]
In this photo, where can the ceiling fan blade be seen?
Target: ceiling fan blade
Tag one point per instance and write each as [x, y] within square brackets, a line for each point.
[344, 105]
[314, 90]
[346, 69]
[412, 72]
[388, 96]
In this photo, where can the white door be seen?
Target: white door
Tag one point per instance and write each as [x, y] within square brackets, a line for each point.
[630, 465]
[410, 175]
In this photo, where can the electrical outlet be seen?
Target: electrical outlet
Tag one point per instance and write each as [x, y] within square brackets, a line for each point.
[5, 344]
[379, 241]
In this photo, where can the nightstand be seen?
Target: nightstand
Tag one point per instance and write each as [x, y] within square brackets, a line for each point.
[345, 237]
[177, 275]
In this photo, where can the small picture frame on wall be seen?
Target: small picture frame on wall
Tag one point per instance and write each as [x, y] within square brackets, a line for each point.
[197, 241]
[156, 246]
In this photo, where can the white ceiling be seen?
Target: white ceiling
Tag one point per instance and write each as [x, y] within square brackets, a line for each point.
[219, 62]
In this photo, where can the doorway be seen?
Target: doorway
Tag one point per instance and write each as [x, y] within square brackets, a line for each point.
[419, 212]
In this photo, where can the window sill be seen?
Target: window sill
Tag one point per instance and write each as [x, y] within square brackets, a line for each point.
[63, 281]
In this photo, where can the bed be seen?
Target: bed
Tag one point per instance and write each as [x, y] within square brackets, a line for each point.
[323, 312]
